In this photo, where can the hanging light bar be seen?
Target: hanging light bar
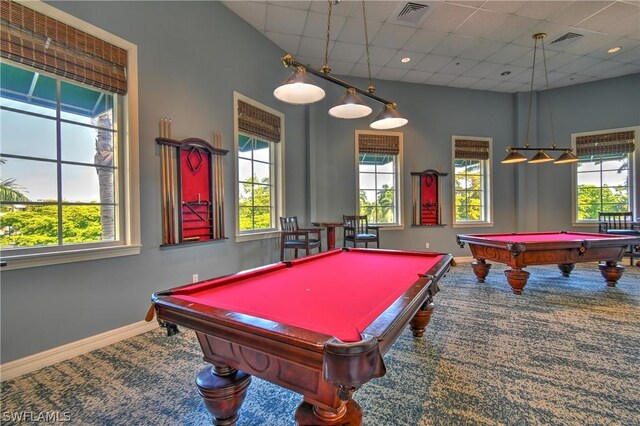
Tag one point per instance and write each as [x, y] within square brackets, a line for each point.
[541, 156]
[301, 90]
[515, 156]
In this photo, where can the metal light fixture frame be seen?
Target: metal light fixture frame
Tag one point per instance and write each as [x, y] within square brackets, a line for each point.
[514, 155]
[389, 107]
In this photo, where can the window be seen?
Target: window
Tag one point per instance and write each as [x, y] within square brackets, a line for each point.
[379, 157]
[67, 190]
[259, 146]
[604, 172]
[472, 183]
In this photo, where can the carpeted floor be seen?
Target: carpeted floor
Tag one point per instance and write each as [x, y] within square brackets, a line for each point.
[566, 352]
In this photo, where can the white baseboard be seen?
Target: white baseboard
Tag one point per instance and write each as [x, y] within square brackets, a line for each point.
[13, 369]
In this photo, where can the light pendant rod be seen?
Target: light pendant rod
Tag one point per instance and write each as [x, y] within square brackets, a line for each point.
[289, 61]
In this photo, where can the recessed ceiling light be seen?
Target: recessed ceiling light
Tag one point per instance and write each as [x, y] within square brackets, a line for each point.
[405, 60]
[614, 49]
[505, 73]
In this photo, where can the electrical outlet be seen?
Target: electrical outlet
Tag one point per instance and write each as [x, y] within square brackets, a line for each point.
[194, 278]
[426, 245]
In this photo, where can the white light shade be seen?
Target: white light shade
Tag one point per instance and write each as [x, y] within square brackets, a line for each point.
[299, 89]
[350, 106]
[389, 118]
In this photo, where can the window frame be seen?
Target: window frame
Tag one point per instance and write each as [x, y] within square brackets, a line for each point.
[399, 177]
[276, 171]
[487, 166]
[128, 192]
[633, 200]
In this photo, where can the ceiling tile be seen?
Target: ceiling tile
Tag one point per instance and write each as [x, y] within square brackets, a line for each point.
[253, 12]
[574, 79]
[313, 47]
[377, 11]
[484, 69]
[392, 36]
[447, 17]
[433, 63]
[484, 84]
[454, 44]
[415, 76]
[577, 11]
[601, 68]
[361, 70]
[503, 6]
[415, 59]
[316, 26]
[468, 3]
[379, 55]
[541, 9]
[508, 53]
[285, 20]
[627, 55]
[463, 82]
[511, 87]
[346, 51]
[423, 41]
[621, 70]
[579, 65]
[341, 9]
[441, 79]
[288, 43]
[458, 66]
[388, 73]
[304, 5]
[482, 49]
[353, 31]
[625, 27]
[512, 28]
[609, 16]
[481, 23]
[560, 60]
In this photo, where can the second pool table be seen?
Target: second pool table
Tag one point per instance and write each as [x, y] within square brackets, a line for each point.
[318, 326]
[519, 250]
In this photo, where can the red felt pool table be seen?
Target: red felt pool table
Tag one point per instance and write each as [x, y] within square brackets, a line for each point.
[565, 249]
[317, 325]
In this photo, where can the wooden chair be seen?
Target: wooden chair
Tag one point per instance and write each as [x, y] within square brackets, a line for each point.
[357, 230]
[296, 238]
[620, 224]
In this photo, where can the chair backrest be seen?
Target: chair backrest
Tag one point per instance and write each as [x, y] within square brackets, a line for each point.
[289, 223]
[358, 223]
[608, 221]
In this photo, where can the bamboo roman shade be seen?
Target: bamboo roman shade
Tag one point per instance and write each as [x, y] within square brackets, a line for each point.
[34, 39]
[378, 143]
[605, 143]
[469, 149]
[258, 122]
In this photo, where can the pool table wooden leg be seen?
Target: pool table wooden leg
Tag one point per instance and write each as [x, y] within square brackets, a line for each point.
[481, 269]
[517, 279]
[421, 319]
[223, 390]
[566, 268]
[349, 413]
[611, 272]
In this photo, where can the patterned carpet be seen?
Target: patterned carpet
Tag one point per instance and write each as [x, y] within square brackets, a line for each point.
[566, 352]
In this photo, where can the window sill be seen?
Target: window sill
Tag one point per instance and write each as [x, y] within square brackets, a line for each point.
[257, 236]
[473, 225]
[55, 258]
[390, 227]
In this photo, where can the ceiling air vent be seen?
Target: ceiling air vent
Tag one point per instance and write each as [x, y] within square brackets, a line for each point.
[411, 14]
[567, 38]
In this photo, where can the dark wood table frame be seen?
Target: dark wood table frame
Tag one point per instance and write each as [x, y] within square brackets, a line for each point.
[331, 231]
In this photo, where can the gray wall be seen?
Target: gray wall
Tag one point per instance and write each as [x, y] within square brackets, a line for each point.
[192, 56]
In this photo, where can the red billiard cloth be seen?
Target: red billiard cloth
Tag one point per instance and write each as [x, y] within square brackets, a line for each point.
[338, 293]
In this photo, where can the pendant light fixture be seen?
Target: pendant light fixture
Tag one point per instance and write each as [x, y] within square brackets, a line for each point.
[514, 156]
[301, 90]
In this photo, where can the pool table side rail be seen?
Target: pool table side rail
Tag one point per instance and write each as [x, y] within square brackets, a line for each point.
[515, 245]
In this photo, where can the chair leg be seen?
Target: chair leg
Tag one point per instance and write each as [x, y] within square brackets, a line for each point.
[281, 254]
[296, 253]
[307, 250]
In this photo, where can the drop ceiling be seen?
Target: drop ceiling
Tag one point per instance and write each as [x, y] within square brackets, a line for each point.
[485, 45]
